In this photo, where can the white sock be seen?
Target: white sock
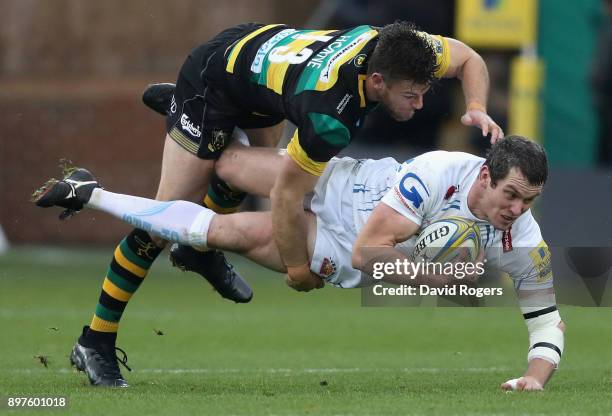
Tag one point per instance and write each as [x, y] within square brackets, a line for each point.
[178, 221]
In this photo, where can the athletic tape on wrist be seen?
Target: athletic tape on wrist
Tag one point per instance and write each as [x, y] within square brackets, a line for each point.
[512, 383]
[546, 339]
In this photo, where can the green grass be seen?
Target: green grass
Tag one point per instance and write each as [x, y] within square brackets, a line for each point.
[286, 353]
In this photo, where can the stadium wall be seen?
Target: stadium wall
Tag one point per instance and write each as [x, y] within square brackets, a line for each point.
[71, 76]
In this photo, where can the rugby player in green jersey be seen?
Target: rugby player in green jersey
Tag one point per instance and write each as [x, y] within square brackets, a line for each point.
[325, 82]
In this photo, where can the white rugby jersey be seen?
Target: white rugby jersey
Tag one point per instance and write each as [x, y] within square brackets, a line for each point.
[435, 185]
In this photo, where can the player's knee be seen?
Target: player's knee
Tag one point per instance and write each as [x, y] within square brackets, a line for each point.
[228, 164]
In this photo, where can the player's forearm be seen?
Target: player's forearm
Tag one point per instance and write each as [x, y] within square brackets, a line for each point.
[550, 342]
[546, 338]
[474, 78]
[289, 226]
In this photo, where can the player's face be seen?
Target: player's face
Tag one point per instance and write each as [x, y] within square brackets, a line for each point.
[509, 199]
[402, 98]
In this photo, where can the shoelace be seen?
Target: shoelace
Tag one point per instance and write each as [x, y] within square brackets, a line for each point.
[122, 361]
[109, 362]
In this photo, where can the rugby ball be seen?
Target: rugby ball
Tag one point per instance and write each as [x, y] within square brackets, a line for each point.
[448, 239]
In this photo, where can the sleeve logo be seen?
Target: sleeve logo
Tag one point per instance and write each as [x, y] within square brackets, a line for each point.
[541, 258]
[407, 188]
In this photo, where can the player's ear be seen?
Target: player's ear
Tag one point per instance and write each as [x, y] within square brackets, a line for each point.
[377, 80]
[484, 176]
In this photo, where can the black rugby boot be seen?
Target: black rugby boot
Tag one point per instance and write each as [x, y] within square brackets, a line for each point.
[71, 192]
[213, 266]
[158, 97]
[99, 361]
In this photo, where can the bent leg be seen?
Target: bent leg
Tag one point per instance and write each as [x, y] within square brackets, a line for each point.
[183, 176]
[247, 233]
[224, 197]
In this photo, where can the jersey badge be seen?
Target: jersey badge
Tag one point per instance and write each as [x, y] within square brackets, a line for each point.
[359, 60]
[328, 267]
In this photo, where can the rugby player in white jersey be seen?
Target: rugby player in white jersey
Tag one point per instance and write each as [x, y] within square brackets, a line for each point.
[371, 203]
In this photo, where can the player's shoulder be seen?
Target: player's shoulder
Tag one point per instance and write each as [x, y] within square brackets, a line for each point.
[440, 164]
[433, 174]
[444, 157]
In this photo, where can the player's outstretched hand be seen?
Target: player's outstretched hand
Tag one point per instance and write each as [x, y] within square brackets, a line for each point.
[482, 120]
[302, 279]
[522, 384]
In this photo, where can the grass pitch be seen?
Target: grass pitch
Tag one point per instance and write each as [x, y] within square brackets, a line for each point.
[285, 353]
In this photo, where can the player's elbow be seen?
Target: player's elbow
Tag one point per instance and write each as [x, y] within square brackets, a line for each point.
[473, 63]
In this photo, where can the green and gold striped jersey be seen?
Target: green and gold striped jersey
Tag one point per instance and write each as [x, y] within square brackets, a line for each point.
[314, 78]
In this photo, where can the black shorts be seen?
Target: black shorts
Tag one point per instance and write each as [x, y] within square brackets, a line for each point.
[202, 116]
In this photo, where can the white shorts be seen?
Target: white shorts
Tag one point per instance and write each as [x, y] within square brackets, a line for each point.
[332, 203]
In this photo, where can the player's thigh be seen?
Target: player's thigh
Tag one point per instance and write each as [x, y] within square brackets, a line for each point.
[183, 174]
[249, 169]
[266, 136]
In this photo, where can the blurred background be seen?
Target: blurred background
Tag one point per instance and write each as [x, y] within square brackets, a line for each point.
[72, 73]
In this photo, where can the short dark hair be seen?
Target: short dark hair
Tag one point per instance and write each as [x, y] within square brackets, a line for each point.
[403, 54]
[521, 153]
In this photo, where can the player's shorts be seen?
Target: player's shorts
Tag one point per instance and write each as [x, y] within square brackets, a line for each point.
[332, 203]
[202, 116]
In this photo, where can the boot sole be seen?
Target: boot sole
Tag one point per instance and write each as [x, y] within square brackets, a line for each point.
[38, 197]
